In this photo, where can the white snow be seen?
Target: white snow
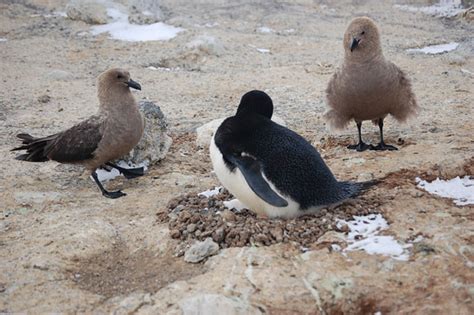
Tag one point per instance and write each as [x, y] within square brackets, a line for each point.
[445, 8]
[263, 50]
[230, 204]
[234, 204]
[211, 25]
[211, 192]
[459, 189]
[104, 175]
[3, 39]
[363, 235]
[121, 29]
[264, 29]
[435, 49]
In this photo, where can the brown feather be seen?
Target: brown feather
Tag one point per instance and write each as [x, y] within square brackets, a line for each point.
[367, 86]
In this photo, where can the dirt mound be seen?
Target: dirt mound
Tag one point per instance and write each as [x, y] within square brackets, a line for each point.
[122, 271]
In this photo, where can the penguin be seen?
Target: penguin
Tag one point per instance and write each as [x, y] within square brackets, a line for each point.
[271, 169]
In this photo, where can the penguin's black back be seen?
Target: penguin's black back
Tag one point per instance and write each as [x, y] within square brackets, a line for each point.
[290, 162]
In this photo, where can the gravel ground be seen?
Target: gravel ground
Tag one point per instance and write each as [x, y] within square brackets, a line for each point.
[66, 249]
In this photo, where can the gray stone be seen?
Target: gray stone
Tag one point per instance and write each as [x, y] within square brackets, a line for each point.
[88, 11]
[144, 12]
[191, 228]
[363, 177]
[207, 45]
[155, 141]
[216, 304]
[201, 250]
[59, 75]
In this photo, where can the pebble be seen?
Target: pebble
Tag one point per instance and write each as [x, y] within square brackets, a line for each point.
[175, 233]
[44, 98]
[201, 250]
[364, 177]
[197, 220]
[228, 216]
[191, 228]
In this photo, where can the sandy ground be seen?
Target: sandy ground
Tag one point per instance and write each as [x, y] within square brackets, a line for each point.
[65, 248]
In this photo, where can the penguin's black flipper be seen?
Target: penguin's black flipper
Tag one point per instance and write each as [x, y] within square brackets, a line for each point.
[252, 172]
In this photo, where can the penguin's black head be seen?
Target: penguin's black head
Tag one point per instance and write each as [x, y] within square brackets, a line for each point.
[256, 102]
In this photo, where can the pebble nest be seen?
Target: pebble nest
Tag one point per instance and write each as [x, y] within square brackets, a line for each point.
[192, 217]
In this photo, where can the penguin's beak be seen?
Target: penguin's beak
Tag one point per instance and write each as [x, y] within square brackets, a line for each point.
[134, 85]
[354, 43]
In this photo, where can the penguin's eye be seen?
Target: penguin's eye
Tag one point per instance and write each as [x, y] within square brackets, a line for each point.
[119, 76]
[362, 33]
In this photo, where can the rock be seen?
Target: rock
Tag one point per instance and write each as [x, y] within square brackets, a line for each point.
[129, 305]
[201, 250]
[191, 228]
[216, 304]
[228, 216]
[155, 141]
[193, 55]
[205, 44]
[206, 131]
[59, 75]
[218, 235]
[175, 233]
[277, 233]
[144, 12]
[44, 98]
[174, 214]
[364, 177]
[88, 11]
[142, 19]
[344, 228]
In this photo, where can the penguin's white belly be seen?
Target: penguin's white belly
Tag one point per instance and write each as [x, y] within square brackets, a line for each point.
[237, 185]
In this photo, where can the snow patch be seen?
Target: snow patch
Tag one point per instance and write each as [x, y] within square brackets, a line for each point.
[234, 204]
[445, 8]
[459, 189]
[211, 192]
[434, 49]
[3, 39]
[363, 235]
[263, 50]
[264, 30]
[105, 175]
[121, 29]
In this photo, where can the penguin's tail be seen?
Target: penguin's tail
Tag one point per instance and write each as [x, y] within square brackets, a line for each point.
[353, 189]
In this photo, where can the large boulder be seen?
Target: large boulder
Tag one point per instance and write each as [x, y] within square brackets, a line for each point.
[155, 141]
[88, 11]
